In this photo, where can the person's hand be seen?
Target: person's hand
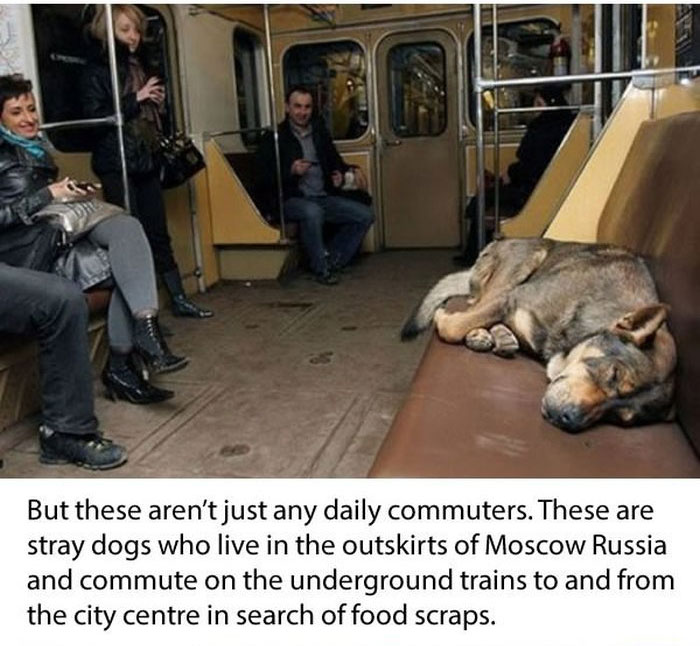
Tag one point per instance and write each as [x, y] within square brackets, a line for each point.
[300, 166]
[66, 190]
[153, 90]
[505, 180]
[336, 178]
[360, 178]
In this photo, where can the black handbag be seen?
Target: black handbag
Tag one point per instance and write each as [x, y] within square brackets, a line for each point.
[179, 160]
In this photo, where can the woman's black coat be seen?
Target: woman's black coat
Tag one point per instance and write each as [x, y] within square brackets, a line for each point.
[28, 242]
[99, 102]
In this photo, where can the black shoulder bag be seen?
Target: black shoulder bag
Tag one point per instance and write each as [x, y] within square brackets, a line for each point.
[179, 159]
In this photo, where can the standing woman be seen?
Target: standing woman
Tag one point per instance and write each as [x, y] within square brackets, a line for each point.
[142, 95]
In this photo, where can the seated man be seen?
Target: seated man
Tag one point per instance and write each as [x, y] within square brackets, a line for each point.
[312, 173]
[542, 139]
[54, 311]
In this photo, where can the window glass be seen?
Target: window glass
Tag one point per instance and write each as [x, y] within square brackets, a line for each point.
[246, 68]
[59, 33]
[336, 75]
[417, 86]
[523, 50]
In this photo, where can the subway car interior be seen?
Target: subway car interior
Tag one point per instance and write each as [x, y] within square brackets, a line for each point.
[427, 104]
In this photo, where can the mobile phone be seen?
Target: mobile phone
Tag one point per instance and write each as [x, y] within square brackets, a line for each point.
[87, 186]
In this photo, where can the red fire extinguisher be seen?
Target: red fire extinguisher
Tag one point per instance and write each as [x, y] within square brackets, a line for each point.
[560, 54]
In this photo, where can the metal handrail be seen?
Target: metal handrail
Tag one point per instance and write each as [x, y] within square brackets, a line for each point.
[547, 108]
[118, 116]
[241, 131]
[78, 123]
[275, 133]
[585, 78]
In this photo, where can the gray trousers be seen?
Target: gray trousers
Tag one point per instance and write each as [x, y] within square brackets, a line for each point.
[53, 311]
[133, 276]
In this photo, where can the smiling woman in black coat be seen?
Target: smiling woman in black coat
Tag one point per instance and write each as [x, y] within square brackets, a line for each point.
[113, 253]
[142, 95]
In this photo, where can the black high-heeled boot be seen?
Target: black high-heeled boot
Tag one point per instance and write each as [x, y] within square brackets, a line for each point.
[123, 380]
[181, 305]
[149, 343]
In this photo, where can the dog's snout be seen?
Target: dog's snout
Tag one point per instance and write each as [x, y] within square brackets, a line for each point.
[569, 417]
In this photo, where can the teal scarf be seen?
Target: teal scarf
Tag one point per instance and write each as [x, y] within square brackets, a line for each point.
[32, 146]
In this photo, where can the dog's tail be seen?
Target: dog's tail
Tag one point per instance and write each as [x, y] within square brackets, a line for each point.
[456, 284]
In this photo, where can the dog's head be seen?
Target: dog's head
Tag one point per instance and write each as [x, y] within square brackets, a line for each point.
[623, 375]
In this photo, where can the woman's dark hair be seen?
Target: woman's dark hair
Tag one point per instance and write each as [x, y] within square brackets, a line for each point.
[13, 86]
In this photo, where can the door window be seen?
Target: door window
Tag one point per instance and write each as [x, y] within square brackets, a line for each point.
[336, 75]
[247, 68]
[417, 90]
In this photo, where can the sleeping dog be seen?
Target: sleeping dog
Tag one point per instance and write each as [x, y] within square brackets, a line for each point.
[590, 311]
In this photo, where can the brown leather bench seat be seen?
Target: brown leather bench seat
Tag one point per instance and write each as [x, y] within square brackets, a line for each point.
[472, 415]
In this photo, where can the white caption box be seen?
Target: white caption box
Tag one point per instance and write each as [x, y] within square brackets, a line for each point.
[488, 562]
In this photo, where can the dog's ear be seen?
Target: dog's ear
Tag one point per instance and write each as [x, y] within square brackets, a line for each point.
[640, 326]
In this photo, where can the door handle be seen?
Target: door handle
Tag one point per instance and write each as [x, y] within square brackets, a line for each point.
[393, 142]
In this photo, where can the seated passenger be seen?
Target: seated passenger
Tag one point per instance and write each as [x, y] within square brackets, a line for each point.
[539, 144]
[312, 174]
[114, 253]
[54, 311]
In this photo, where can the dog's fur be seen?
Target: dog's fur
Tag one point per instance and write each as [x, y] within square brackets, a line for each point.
[590, 311]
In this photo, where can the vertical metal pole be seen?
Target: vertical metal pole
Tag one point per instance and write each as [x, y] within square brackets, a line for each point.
[111, 49]
[645, 44]
[480, 183]
[597, 86]
[576, 44]
[496, 132]
[617, 51]
[275, 133]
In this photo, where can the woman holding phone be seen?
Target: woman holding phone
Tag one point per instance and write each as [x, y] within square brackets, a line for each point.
[142, 96]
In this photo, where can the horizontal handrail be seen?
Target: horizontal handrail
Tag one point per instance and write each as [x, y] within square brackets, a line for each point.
[549, 108]
[484, 84]
[80, 123]
[242, 131]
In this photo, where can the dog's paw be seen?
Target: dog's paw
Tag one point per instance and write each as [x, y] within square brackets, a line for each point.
[505, 342]
[479, 340]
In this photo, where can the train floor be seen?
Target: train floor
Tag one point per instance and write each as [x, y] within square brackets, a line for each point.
[289, 379]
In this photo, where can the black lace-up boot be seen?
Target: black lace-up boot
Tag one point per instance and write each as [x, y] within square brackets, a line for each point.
[123, 380]
[149, 343]
[182, 306]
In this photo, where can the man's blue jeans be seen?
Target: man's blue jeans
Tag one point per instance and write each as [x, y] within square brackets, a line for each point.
[353, 218]
[53, 311]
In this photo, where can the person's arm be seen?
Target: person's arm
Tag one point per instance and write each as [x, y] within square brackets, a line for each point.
[97, 96]
[19, 209]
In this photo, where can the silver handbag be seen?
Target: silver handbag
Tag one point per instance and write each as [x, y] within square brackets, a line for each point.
[77, 218]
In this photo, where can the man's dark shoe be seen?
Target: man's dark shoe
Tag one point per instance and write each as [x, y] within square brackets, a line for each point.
[90, 451]
[329, 278]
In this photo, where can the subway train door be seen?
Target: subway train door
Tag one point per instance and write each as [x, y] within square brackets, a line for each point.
[419, 139]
